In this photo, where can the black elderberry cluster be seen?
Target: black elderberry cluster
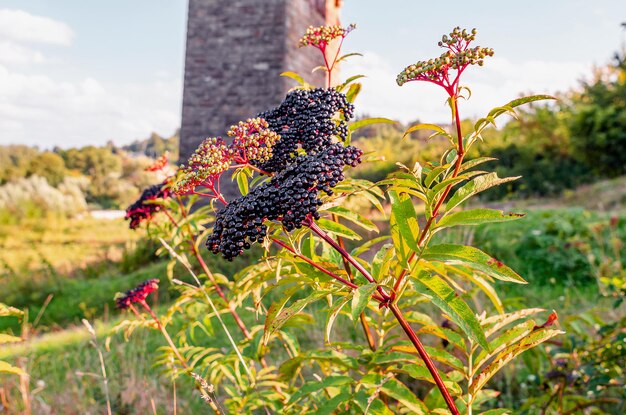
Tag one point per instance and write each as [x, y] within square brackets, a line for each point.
[290, 197]
[305, 120]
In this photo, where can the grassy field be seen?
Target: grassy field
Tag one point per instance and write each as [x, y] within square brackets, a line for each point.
[61, 272]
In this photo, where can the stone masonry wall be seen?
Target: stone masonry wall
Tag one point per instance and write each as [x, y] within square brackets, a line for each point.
[236, 50]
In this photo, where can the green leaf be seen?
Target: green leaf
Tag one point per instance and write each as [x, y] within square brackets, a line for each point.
[289, 312]
[337, 229]
[347, 55]
[6, 338]
[348, 82]
[402, 394]
[331, 405]
[506, 339]
[242, 182]
[475, 217]
[354, 217]
[332, 316]
[295, 77]
[476, 185]
[526, 100]
[473, 258]
[369, 121]
[353, 92]
[312, 387]
[7, 368]
[432, 127]
[404, 213]
[360, 299]
[533, 339]
[399, 243]
[475, 162]
[444, 297]
[421, 372]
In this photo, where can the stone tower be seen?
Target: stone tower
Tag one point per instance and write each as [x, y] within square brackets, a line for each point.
[236, 50]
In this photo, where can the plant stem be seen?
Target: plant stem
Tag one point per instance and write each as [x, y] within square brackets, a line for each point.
[457, 167]
[322, 234]
[319, 267]
[425, 357]
[346, 265]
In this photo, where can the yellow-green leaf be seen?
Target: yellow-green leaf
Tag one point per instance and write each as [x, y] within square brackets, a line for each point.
[473, 258]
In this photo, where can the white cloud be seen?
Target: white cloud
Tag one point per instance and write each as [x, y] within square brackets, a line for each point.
[12, 53]
[496, 83]
[39, 110]
[20, 26]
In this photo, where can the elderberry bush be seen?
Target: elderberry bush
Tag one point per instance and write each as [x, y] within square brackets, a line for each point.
[305, 121]
[291, 197]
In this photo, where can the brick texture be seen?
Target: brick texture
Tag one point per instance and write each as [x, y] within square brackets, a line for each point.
[236, 50]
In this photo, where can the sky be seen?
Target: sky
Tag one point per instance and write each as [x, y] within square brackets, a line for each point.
[75, 72]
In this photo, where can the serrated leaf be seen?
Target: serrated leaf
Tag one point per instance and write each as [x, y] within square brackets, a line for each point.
[475, 217]
[503, 340]
[7, 368]
[402, 394]
[473, 258]
[503, 358]
[444, 297]
[475, 186]
[332, 316]
[432, 127]
[360, 299]
[338, 229]
[404, 212]
[369, 121]
[494, 323]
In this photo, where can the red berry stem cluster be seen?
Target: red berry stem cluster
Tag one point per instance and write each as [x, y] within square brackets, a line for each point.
[320, 37]
[458, 56]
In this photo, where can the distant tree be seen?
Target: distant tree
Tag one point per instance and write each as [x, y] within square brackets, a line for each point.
[48, 165]
[15, 161]
[598, 125]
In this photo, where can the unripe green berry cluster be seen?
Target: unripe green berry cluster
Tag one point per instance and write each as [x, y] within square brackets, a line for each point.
[211, 158]
[457, 57]
[323, 35]
[252, 141]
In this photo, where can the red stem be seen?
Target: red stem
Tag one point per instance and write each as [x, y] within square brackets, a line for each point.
[425, 357]
[320, 232]
[324, 270]
[457, 168]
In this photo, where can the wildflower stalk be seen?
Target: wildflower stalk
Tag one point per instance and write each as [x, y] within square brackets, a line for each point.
[105, 379]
